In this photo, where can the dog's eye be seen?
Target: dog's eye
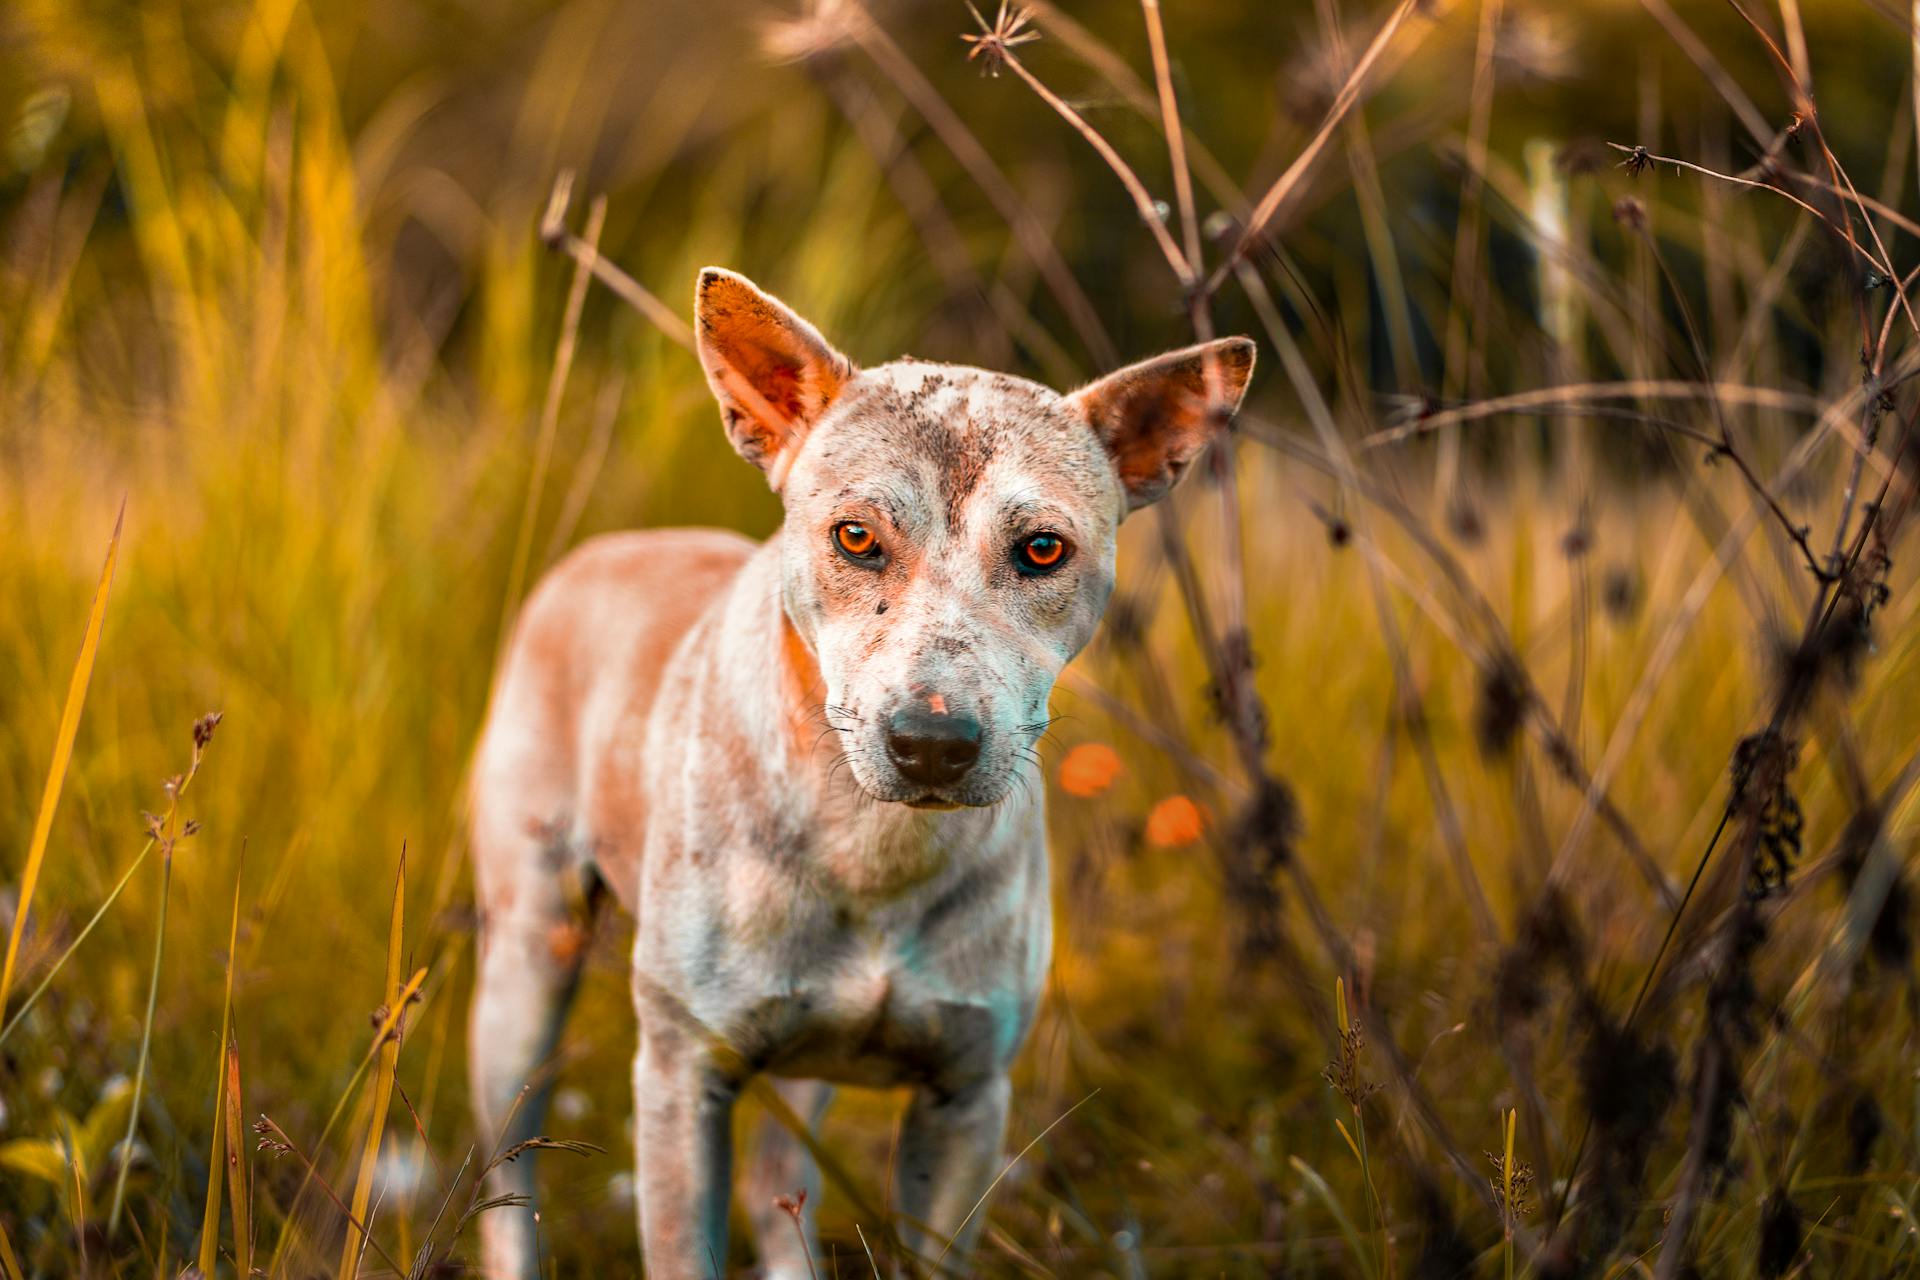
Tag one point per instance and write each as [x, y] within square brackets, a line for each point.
[856, 540]
[1041, 553]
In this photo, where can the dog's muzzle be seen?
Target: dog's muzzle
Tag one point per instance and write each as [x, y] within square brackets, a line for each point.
[932, 749]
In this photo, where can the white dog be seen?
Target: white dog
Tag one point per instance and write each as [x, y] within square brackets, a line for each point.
[807, 768]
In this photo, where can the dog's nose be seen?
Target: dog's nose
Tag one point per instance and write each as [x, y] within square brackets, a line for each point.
[935, 750]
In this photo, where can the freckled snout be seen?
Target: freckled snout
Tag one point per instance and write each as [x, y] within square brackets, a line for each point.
[932, 748]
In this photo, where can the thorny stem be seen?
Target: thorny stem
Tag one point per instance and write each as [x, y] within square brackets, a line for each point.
[1844, 233]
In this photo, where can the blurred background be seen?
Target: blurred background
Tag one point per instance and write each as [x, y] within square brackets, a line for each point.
[1430, 687]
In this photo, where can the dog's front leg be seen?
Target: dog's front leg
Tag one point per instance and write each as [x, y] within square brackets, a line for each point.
[949, 1156]
[683, 1108]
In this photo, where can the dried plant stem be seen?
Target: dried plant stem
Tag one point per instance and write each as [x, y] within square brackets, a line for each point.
[987, 175]
[1724, 445]
[1176, 136]
[586, 254]
[1101, 58]
[1320, 416]
[1143, 203]
[1576, 397]
[1843, 233]
[1711, 68]
[1467, 291]
[1539, 718]
[1284, 186]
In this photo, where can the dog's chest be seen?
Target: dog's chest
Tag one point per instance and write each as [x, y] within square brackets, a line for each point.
[883, 1010]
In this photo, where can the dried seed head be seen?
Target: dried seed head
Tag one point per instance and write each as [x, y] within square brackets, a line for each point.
[1269, 823]
[1343, 1072]
[997, 39]
[1518, 1201]
[1502, 707]
[1547, 939]
[1620, 592]
[1630, 213]
[1638, 161]
[203, 729]
[1760, 796]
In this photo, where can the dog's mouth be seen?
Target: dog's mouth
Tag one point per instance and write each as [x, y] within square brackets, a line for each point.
[932, 802]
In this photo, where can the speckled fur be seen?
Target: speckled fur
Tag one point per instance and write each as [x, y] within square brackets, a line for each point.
[697, 724]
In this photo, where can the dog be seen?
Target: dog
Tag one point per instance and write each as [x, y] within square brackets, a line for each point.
[808, 770]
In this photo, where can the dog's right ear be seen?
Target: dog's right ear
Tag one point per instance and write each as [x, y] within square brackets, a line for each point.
[772, 372]
[1157, 416]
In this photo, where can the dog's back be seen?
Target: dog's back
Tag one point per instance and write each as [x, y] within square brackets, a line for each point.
[587, 656]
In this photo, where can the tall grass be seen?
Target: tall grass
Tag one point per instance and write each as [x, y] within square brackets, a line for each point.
[1538, 613]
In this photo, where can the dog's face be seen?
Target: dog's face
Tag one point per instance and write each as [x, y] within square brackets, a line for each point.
[950, 532]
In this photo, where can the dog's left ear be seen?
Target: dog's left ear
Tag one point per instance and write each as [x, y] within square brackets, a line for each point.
[772, 372]
[1157, 416]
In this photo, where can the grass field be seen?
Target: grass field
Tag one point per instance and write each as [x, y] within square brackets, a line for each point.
[1557, 589]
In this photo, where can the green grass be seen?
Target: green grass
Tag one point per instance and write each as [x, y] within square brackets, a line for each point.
[275, 282]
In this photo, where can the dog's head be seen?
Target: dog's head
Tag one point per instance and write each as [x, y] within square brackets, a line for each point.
[949, 535]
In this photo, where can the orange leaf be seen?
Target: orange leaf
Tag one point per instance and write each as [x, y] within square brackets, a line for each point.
[1089, 769]
[1175, 821]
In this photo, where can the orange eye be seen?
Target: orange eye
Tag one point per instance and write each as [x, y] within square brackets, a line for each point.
[1042, 553]
[856, 539]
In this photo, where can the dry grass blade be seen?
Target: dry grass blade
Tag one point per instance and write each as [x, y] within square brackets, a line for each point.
[62, 754]
[382, 1083]
[217, 1158]
[9, 1265]
[113, 896]
[550, 410]
[239, 1176]
[381, 1034]
[1038, 1138]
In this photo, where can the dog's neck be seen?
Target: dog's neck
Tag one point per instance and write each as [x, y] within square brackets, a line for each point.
[867, 847]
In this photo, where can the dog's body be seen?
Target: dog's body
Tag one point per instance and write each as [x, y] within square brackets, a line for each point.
[807, 770]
